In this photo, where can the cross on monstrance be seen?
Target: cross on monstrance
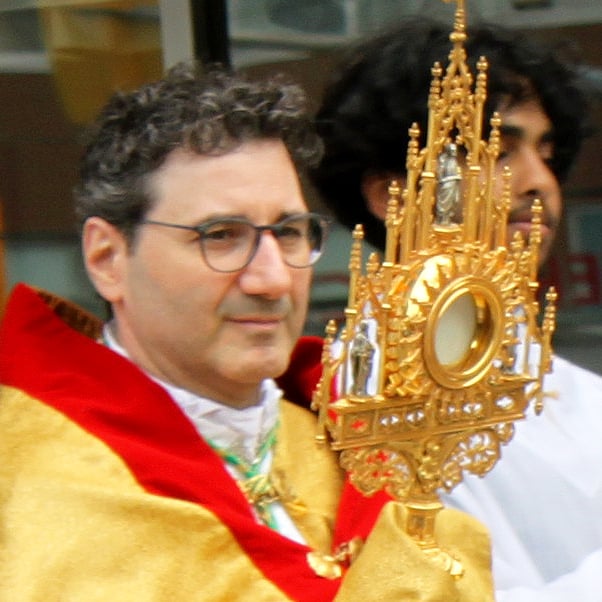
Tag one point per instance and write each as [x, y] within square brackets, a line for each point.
[448, 320]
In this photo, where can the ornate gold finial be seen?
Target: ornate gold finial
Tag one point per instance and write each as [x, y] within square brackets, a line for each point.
[460, 17]
[441, 350]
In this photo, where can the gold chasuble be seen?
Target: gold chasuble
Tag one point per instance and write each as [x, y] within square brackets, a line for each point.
[108, 493]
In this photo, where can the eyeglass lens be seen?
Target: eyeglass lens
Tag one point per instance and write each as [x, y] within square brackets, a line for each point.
[230, 245]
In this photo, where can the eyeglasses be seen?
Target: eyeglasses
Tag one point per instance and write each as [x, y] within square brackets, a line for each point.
[229, 245]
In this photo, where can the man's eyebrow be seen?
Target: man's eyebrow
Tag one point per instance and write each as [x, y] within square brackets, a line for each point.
[219, 217]
[514, 131]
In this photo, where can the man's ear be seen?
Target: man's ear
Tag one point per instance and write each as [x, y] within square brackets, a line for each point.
[375, 189]
[105, 250]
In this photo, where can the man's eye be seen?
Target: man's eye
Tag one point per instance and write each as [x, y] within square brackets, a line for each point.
[508, 147]
[506, 151]
[291, 232]
[223, 232]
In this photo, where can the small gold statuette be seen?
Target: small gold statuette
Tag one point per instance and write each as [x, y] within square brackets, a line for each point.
[441, 350]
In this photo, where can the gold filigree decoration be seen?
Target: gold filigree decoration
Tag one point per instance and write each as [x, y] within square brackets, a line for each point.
[451, 314]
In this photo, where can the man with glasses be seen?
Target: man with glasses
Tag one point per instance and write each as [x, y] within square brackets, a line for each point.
[152, 457]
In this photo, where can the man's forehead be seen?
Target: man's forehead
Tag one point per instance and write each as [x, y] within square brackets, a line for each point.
[526, 119]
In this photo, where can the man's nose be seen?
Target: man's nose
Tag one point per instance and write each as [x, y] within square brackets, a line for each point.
[267, 273]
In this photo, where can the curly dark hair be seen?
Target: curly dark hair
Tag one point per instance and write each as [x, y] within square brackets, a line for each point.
[207, 113]
[381, 87]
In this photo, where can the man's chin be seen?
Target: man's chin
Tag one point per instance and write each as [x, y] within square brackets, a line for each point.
[263, 354]
[266, 362]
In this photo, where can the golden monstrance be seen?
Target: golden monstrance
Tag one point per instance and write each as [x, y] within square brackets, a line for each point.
[441, 349]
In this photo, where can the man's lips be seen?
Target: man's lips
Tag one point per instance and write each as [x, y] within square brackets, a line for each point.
[257, 321]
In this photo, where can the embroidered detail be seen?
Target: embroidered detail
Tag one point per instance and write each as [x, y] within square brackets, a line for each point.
[78, 318]
[288, 498]
[331, 566]
[256, 487]
[260, 493]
